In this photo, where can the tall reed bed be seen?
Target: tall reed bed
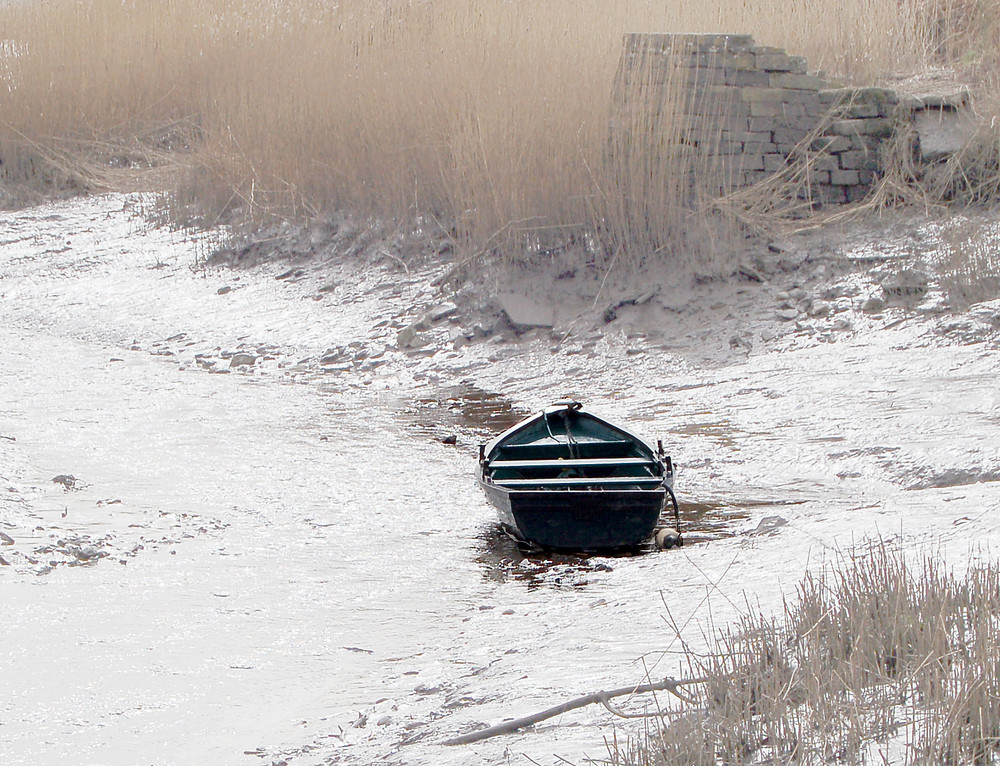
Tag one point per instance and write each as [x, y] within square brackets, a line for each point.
[884, 659]
[488, 119]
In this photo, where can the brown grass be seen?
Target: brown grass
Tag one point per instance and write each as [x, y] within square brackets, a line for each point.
[491, 120]
[886, 659]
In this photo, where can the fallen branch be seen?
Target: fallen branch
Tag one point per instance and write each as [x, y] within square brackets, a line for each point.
[668, 684]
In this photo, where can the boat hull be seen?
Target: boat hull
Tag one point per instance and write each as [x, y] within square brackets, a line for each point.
[578, 520]
[568, 480]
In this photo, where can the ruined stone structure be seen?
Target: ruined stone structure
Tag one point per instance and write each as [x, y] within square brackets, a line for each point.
[742, 112]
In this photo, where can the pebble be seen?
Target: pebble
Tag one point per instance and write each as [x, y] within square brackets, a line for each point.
[873, 305]
[820, 309]
[479, 330]
[842, 324]
[668, 538]
[797, 293]
[441, 311]
[242, 360]
[409, 337]
[86, 553]
[750, 273]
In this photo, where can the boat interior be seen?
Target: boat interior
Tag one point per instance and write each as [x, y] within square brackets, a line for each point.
[568, 449]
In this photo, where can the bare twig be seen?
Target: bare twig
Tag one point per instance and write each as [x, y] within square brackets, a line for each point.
[484, 250]
[617, 711]
[386, 254]
[606, 275]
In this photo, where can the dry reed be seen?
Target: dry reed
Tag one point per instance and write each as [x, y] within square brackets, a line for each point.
[885, 659]
[490, 119]
[970, 264]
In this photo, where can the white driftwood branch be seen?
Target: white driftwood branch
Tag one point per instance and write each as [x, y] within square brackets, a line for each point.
[669, 685]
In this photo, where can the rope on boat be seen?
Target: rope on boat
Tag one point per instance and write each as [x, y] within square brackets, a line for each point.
[574, 453]
[677, 508]
[545, 417]
[570, 441]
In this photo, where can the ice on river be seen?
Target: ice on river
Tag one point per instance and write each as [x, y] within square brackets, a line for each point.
[284, 562]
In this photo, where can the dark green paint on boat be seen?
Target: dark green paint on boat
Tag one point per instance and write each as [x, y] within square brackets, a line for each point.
[565, 479]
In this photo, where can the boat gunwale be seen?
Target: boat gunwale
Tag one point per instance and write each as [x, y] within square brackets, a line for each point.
[531, 419]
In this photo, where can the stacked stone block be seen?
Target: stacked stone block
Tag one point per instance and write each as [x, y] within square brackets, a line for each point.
[746, 109]
[857, 121]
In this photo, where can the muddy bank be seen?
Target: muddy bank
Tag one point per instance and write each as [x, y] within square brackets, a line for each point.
[815, 286]
[310, 572]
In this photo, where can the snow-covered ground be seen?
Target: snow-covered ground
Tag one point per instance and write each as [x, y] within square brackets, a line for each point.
[259, 550]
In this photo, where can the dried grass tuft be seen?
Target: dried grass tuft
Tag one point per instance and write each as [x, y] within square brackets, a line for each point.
[885, 659]
[968, 177]
[970, 266]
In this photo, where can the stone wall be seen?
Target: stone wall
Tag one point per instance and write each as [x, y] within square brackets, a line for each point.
[743, 112]
[855, 124]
